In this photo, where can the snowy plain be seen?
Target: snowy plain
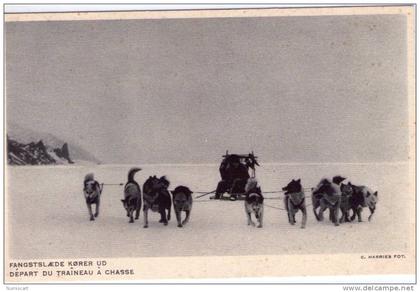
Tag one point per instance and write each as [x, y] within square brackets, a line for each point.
[46, 216]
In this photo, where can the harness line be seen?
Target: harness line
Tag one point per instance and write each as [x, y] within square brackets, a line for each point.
[202, 194]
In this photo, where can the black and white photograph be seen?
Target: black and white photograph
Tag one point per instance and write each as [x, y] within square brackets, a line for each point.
[244, 137]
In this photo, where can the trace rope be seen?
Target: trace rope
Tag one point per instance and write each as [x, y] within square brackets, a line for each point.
[202, 194]
[278, 208]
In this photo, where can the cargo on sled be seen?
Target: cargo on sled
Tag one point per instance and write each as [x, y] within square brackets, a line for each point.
[234, 172]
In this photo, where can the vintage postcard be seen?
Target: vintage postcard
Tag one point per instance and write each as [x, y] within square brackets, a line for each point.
[209, 144]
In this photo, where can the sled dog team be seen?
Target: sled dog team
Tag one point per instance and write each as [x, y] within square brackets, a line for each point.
[334, 195]
[156, 198]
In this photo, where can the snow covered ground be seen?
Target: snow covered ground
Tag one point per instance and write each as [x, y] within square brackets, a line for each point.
[47, 217]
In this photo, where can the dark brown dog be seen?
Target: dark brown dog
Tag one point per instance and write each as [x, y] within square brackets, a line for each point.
[182, 201]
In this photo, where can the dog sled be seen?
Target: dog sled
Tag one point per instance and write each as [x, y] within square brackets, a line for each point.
[235, 170]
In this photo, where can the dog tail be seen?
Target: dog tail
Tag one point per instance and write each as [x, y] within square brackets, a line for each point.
[132, 172]
[89, 177]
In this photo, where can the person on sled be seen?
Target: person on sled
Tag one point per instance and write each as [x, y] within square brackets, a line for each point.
[234, 176]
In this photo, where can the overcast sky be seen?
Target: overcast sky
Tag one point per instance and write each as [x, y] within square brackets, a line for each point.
[293, 89]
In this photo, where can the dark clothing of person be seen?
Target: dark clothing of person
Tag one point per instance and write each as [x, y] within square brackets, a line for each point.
[222, 169]
[239, 172]
[235, 180]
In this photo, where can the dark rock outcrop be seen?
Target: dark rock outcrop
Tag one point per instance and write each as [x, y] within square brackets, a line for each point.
[34, 153]
[63, 153]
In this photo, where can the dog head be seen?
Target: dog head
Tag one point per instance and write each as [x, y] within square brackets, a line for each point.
[90, 187]
[89, 184]
[182, 198]
[89, 177]
[346, 189]
[371, 198]
[251, 184]
[293, 187]
[338, 179]
[163, 182]
[321, 187]
[153, 183]
[329, 191]
[255, 201]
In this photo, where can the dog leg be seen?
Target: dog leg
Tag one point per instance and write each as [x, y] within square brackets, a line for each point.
[286, 203]
[315, 205]
[359, 214]
[353, 216]
[304, 216]
[138, 209]
[146, 222]
[286, 206]
[294, 211]
[187, 217]
[321, 213]
[343, 216]
[162, 213]
[131, 216]
[163, 219]
[90, 212]
[261, 216]
[331, 212]
[97, 208]
[178, 218]
[336, 214]
[346, 215]
[316, 215]
[250, 222]
[290, 213]
[372, 210]
[248, 214]
[289, 209]
[288, 218]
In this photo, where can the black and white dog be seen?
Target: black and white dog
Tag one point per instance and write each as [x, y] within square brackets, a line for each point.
[254, 202]
[92, 191]
[182, 200]
[363, 197]
[294, 200]
[132, 195]
[327, 194]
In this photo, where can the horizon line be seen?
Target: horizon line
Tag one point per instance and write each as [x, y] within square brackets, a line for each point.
[202, 164]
